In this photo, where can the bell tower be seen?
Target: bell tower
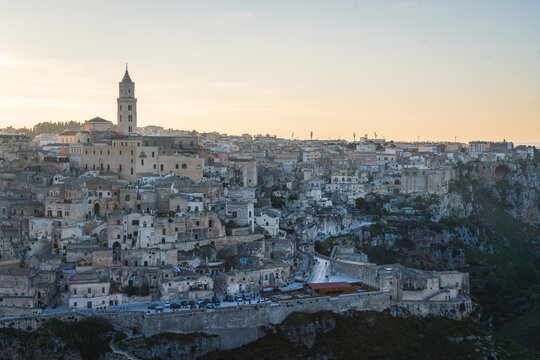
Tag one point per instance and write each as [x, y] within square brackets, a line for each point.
[127, 106]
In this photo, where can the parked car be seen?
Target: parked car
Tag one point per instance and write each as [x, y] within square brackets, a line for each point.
[167, 304]
[152, 306]
[238, 298]
[175, 306]
[159, 309]
[210, 307]
[184, 303]
[192, 302]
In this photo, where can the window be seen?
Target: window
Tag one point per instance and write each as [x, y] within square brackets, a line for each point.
[184, 166]
[74, 291]
[161, 167]
[129, 107]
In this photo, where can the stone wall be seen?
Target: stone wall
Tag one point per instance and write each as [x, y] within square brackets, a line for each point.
[450, 309]
[248, 320]
[218, 242]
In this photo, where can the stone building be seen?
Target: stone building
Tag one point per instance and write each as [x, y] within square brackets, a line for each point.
[97, 124]
[426, 181]
[88, 291]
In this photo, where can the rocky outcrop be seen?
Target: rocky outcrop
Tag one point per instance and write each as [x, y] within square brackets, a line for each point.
[171, 346]
[18, 345]
[517, 189]
[453, 205]
[306, 334]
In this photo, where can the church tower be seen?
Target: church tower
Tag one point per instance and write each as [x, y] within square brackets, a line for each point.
[127, 106]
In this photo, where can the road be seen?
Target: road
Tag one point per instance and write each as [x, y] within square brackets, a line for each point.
[319, 272]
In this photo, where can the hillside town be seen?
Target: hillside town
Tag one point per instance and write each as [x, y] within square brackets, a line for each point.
[113, 216]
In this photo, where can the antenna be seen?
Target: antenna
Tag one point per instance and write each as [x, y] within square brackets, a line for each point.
[375, 134]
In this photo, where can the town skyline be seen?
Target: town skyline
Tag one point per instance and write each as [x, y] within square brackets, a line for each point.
[230, 68]
[278, 180]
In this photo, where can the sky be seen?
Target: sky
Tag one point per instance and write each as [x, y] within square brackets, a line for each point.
[406, 70]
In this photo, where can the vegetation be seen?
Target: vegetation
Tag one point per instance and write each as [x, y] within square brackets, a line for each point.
[325, 247]
[372, 335]
[277, 202]
[89, 337]
[379, 229]
[143, 290]
[49, 127]
[372, 206]
[56, 127]
[381, 255]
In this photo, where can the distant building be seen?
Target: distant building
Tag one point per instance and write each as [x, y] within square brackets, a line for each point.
[97, 124]
[73, 137]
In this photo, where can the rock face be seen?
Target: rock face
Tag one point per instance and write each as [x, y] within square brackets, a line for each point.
[453, 205]
[306, 334]
[517, 188]
[172, 346]
[16, 347]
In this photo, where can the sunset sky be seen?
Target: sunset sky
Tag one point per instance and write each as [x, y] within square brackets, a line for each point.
[404, 69]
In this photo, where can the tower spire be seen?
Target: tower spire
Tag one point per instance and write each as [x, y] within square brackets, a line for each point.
[127, 106]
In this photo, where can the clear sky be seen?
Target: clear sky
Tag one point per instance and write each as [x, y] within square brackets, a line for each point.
[404, 69]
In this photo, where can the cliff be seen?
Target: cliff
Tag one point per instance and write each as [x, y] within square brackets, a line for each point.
[374, 335]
